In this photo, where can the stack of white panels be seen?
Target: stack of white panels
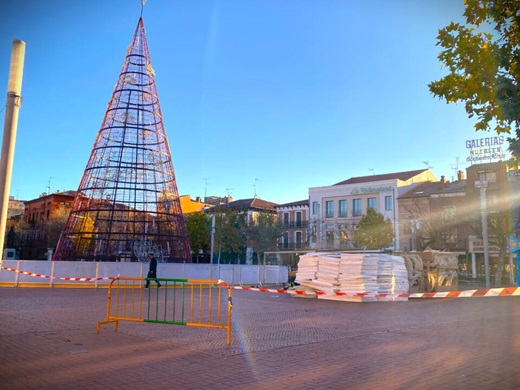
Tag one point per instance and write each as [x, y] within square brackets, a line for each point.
[400, 273]
[353, 273]
[384, 274]
[307, 267]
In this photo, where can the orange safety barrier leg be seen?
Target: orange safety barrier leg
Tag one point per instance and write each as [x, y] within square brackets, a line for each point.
[98, 326]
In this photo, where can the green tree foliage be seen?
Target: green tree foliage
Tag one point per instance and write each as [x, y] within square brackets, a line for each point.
[55, 226]
[499, 225]
[198, 229]
[263, 233]
[373, 231]
[483, 59]
[230, 232]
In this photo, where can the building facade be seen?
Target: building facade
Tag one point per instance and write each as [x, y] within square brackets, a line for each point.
[449, 215]
[294, 218]
[43, 220]
[335, 210]
[250, 211]
[435, 215]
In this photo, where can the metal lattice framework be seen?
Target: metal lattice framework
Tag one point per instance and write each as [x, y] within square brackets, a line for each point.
[127, 203]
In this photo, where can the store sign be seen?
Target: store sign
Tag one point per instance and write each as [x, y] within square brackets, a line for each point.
[489, 148]
[476, 245]
[370, 190]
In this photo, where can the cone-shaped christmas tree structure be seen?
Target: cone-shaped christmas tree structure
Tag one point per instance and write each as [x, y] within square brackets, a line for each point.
[127, 203]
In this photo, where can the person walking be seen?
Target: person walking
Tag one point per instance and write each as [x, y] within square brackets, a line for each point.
[152, 271]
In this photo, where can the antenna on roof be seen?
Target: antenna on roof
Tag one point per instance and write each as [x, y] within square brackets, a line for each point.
[49, 185]
[205, 186]
[455, 166]
[254, 185]
[427, 163]
[228, 191]
[372, 170]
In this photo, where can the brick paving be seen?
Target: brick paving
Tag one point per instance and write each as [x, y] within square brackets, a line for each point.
[48, 341]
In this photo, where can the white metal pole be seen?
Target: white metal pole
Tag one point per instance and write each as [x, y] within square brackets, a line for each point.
[473, 265]
[212, 246]
[485, 234]
[14, 98]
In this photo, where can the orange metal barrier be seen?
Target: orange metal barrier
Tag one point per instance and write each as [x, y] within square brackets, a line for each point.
[189, 302]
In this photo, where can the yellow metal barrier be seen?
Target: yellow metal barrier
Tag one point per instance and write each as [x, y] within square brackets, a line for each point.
[189, 302]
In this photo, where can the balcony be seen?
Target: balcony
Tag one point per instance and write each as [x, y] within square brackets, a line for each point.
[295, 224]
[290, 246]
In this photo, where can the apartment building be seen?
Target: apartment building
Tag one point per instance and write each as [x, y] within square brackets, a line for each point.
[38, 216]
[294, 218]
[335, 210]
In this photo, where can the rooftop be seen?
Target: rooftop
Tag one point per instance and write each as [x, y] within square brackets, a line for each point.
[387, 176]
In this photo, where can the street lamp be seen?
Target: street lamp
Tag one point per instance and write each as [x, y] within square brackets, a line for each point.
[482, 185]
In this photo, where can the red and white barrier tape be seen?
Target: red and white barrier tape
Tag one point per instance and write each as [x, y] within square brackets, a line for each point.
[490, 292]
[54, 277]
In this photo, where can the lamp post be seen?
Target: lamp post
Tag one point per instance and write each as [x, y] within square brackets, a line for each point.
[482, 185]
[12, 108]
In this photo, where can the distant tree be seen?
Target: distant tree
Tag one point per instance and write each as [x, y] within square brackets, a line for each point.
[230, 232]
[373, 231]
[198, 229]
[499, 225]
[484, 68]
[263, 233]
[55, 226]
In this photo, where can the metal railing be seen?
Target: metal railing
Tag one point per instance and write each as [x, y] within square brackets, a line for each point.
[188, 302]
[295, 224]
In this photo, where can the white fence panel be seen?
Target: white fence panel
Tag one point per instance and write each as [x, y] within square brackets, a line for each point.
[226, 273]
[275, 274]
[233, 274]
[36, 267]
[72, 269]
[9, 276]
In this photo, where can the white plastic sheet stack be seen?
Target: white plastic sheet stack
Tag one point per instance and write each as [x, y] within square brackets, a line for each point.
[353, 273]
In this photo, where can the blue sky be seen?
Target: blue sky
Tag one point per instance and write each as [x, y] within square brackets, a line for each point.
[264, 96]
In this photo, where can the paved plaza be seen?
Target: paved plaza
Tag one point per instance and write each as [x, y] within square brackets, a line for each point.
[48, 340]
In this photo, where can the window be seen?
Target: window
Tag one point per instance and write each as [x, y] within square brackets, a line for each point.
[285, 219]
[343, 238]
[342, 208]
[388, 202]
[371, 203]
[329, 209]
[298, 219]
[314, 208]
[489, 176]
[449, 236]
[285, 240]
[298, 239]
[356, 207]
[330, 238]
[448, 213]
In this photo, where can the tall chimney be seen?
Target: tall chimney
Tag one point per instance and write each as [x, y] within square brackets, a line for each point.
[460, 175]
[14, 98]
[443, 183]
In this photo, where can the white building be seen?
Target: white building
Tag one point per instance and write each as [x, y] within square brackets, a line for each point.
[336, 209]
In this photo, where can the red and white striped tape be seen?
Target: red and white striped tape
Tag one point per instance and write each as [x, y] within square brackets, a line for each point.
[54, 277]
[490, 292]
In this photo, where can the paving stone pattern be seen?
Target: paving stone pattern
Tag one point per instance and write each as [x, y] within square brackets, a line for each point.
[48, 341]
